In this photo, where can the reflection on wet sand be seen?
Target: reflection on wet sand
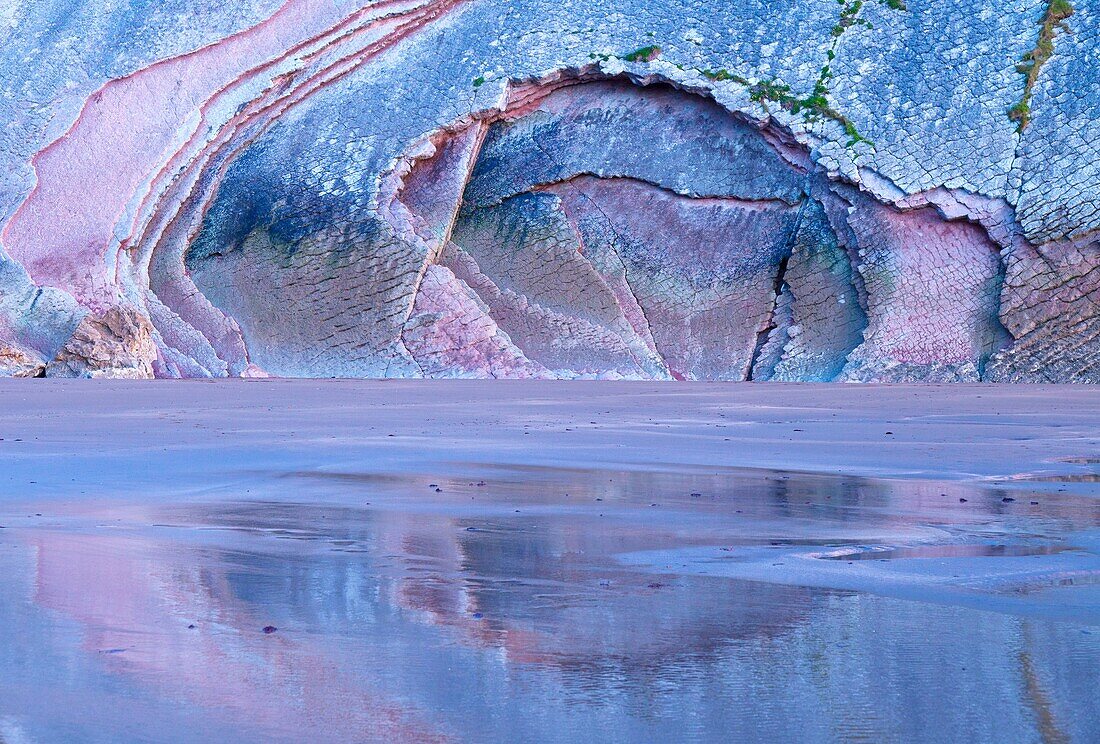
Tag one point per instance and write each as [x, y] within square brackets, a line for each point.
[174, 621]
[497, 606]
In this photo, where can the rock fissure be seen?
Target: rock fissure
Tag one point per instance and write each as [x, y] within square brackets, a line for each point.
[771, 325]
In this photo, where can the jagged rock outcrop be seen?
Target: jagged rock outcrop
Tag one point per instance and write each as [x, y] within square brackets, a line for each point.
[117, 344]
[16, 362]
[738, 190]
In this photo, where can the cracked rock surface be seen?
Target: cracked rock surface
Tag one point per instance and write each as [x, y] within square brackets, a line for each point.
[682, 189]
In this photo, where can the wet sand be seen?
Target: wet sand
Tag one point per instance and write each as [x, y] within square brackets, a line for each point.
[463, 561]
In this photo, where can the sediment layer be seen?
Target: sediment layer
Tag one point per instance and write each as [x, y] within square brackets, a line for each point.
[455, 188]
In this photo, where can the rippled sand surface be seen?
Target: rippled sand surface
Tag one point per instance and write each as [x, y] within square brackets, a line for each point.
[384, 561]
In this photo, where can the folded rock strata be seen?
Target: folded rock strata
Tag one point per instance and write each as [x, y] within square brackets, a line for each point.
[547, 189]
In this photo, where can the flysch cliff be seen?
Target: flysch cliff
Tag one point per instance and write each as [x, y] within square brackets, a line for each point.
[670, 189]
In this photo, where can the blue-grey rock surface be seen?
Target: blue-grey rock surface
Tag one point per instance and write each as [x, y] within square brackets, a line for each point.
[867, 190]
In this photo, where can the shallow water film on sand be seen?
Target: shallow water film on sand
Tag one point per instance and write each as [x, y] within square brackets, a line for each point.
[385, 561]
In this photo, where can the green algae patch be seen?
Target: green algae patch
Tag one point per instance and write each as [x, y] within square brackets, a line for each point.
[1031, 64]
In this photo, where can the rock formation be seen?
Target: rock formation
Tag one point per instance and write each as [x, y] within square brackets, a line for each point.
[869, 190]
